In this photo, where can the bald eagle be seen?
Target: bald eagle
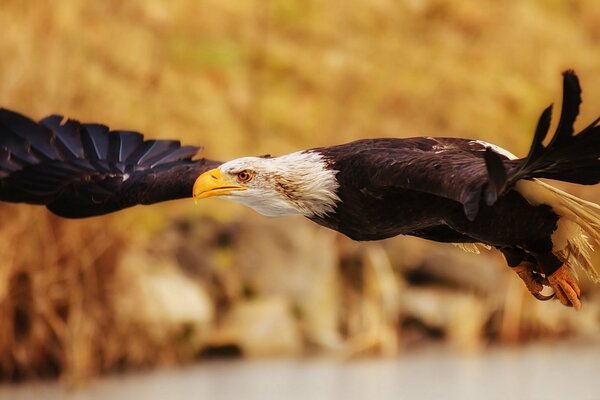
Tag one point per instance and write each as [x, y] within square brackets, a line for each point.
[453, 190]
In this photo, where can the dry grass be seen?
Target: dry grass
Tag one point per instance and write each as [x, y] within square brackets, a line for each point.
[56, 287]
[261, 77]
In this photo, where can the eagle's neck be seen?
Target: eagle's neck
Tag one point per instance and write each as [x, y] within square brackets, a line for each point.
[307, 180]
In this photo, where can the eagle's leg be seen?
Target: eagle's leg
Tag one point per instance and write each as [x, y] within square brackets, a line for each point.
[525, 267]
[561, 279]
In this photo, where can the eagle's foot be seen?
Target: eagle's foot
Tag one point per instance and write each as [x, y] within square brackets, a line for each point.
[565, 287]
[533, 280]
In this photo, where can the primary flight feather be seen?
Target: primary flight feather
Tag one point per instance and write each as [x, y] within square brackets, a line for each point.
[460, 191]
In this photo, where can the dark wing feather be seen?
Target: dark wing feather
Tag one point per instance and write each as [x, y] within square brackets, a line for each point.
[67, 134]
[95, 141]
[469, 171]
[496, 171]
[32, 140]
[121, 144]
[452, 168]
[568, 157]
[81, 170]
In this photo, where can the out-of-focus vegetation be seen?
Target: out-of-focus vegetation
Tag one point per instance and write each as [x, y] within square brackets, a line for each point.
[174, 282]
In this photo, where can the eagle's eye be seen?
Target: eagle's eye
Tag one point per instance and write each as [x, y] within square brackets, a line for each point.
[245, 176]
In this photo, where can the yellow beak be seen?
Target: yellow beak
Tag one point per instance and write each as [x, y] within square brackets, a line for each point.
[211, 183]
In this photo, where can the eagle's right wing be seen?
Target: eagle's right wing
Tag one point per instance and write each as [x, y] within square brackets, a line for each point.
[81, 170]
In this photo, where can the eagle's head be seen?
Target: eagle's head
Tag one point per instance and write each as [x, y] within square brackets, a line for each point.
[299, 183]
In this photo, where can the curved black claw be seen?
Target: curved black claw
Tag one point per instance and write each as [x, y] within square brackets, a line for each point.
[543, 297]
[534, 280]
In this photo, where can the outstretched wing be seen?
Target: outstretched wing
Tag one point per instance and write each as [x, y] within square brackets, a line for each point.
[82, 170]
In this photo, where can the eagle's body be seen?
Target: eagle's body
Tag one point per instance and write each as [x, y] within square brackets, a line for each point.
[370, 209]
[443, 189]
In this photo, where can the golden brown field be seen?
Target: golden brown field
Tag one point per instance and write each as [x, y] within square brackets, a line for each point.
[177, 282]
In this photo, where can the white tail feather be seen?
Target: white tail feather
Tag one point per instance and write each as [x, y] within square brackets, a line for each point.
[471, 247]
[578, 231]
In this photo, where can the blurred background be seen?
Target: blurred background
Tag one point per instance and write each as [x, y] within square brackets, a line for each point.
[178, 283]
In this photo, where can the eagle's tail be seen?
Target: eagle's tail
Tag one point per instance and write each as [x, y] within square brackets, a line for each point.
[578, 231]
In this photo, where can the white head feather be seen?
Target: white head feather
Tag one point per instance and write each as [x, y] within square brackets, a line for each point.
[299, 183]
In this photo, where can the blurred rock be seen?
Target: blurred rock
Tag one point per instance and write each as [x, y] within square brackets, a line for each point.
[425, 262]
[157, 295]
[460, 316]
[261, 327]
[296, 260]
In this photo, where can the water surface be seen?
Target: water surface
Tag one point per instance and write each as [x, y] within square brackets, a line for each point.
[537, 372]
